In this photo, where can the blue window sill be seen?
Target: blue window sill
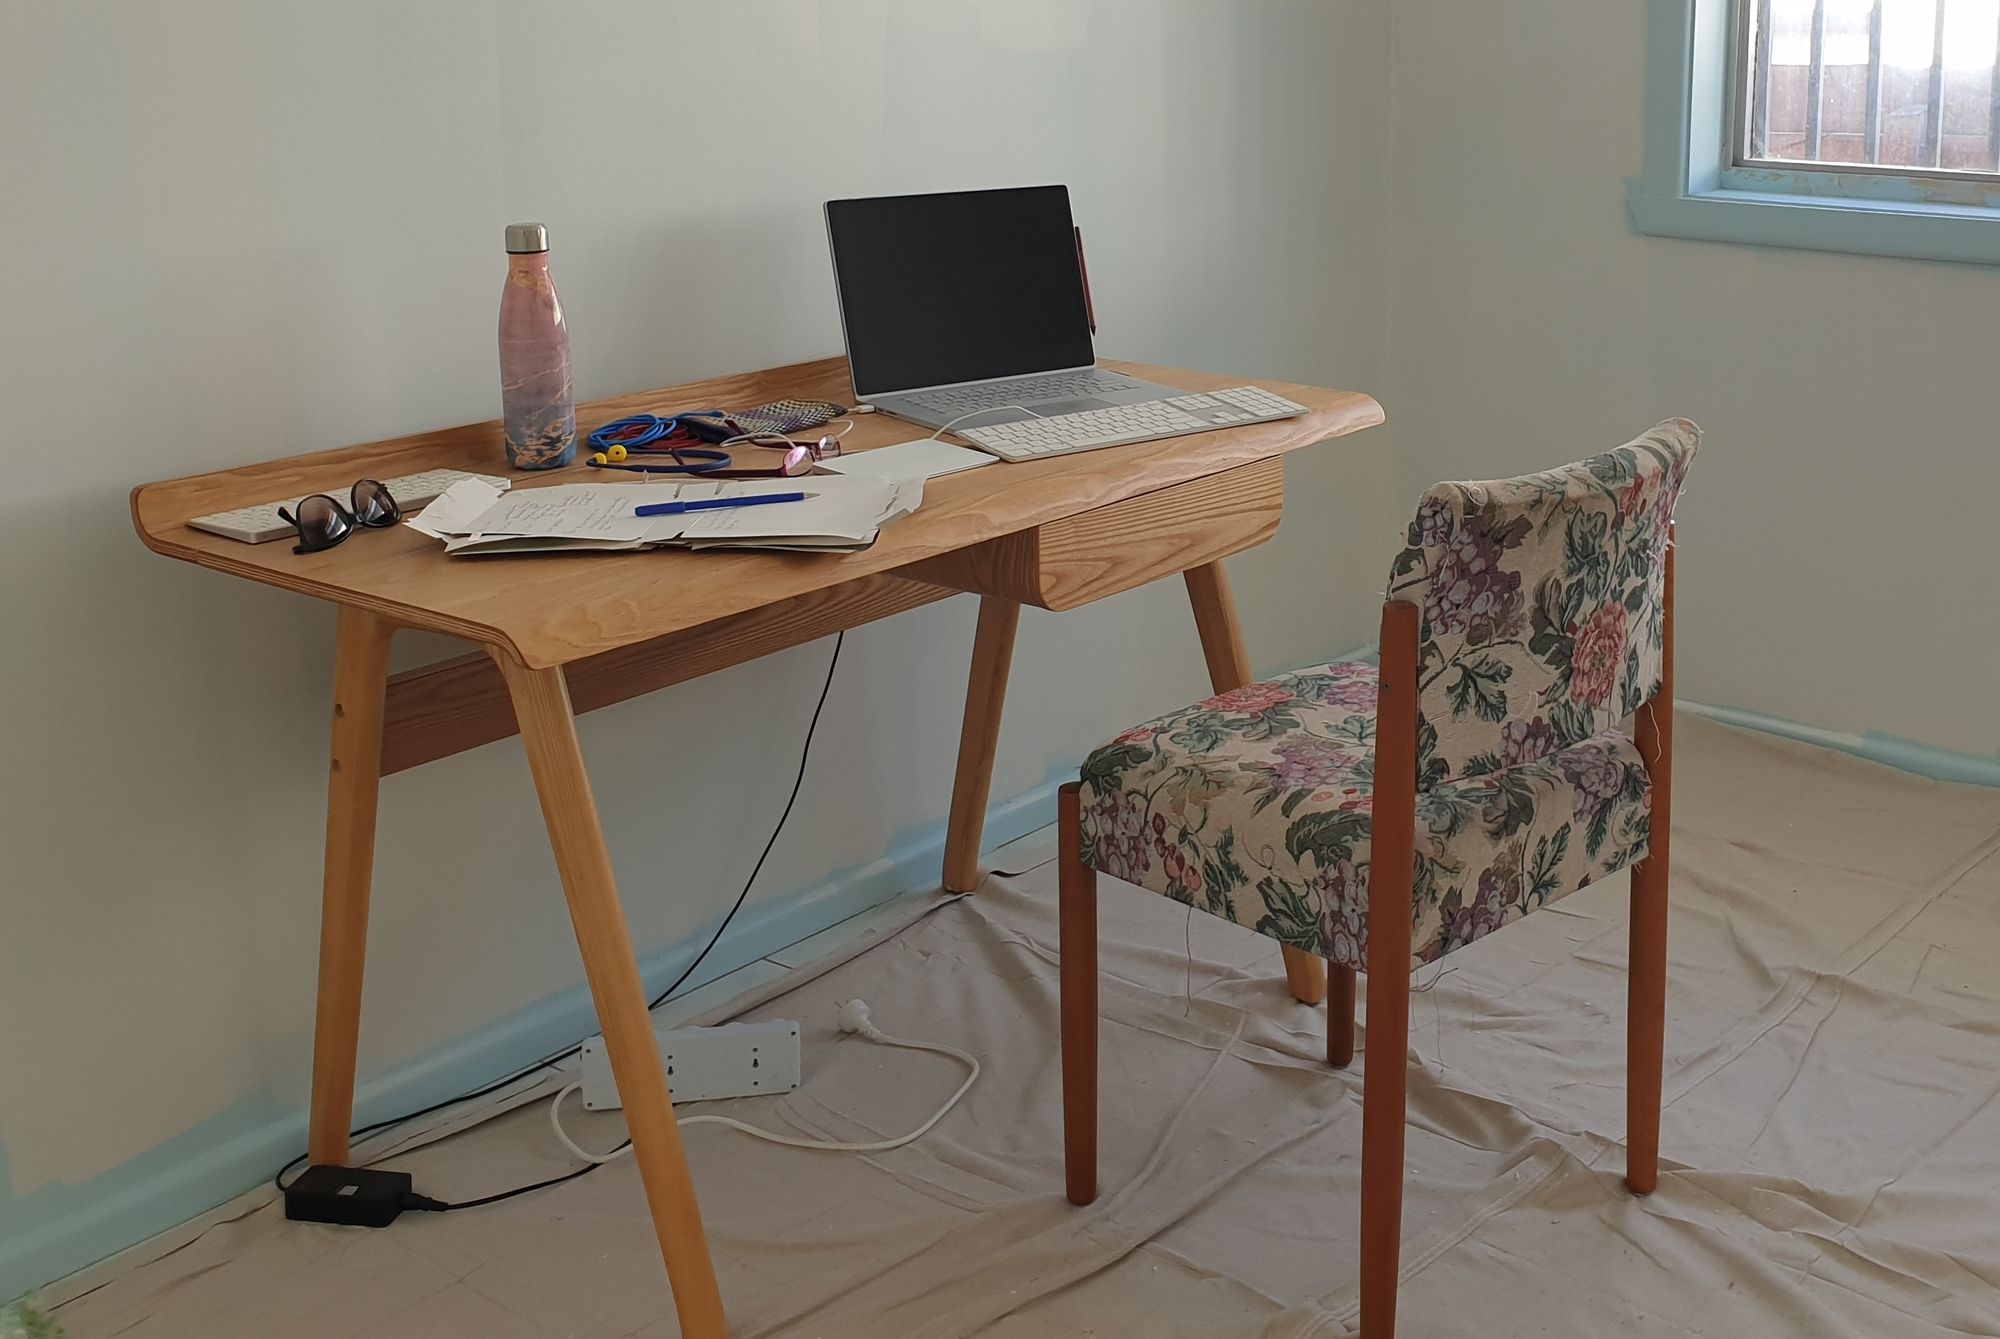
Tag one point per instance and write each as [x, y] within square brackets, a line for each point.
[1872, 227]
[1688, 189]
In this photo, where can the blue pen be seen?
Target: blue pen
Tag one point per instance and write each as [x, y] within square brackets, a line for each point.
[716, 503]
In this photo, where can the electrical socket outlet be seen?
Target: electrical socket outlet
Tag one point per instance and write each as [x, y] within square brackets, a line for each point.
[704, 1063]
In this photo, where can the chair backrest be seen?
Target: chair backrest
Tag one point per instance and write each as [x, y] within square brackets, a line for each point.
[1541, 603]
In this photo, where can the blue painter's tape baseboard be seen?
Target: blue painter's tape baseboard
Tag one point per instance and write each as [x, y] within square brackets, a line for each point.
[62, 1228]
[1907, 755]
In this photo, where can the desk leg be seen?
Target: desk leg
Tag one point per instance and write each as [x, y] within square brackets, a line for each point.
[985, 693]
[360, 679]
[1229, 667]
[548, 729]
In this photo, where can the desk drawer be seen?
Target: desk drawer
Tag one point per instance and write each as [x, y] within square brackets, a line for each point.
[1081, 558]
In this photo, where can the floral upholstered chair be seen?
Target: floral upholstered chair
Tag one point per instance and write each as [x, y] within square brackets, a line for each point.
[1515, 745]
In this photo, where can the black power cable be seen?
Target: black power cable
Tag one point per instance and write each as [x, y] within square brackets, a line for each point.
[798, 781]
[420, 1202]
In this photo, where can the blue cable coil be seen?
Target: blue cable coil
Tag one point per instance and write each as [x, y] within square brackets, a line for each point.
[632, 431]
[613, 444]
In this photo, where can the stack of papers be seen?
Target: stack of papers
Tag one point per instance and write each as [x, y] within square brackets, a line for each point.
[837, 515]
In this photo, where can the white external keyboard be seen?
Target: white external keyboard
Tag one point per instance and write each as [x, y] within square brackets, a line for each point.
[261, 524]
[1062, 434]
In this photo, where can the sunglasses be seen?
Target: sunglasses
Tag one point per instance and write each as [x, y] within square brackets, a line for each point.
[322, 522]
[799, 457]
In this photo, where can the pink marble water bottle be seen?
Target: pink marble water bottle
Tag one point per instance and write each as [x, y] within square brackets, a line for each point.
[534, 357]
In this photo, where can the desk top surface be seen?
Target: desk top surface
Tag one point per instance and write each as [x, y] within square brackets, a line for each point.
[550, 609]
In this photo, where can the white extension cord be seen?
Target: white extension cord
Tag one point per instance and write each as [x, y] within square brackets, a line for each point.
[853, 1018]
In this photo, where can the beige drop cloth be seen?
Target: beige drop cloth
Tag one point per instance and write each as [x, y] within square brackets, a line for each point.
[1834, 1144]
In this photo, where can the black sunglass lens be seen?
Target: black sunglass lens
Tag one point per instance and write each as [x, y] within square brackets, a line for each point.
[321, 524]
[373, 505]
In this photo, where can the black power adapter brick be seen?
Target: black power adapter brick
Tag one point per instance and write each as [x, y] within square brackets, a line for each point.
[353, 1196]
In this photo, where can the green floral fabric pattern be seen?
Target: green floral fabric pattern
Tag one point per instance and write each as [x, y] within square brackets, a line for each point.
[1541, 633]
[1256, 805]
[1541, 603]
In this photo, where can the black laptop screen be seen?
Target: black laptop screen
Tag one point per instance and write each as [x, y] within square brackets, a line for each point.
[960, 287]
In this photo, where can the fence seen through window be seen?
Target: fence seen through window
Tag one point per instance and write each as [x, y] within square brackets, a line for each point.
[1903, 86]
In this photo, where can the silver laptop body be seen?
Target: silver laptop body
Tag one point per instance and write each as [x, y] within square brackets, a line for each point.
[968, 308]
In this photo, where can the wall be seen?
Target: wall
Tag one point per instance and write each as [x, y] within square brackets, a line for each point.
[244, 230]
[1836, 534]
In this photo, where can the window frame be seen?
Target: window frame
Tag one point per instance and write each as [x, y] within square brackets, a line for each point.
[1692, 187]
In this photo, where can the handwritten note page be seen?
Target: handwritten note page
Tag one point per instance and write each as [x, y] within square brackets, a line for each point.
[835, 512]
[573, 511]
[454, 511]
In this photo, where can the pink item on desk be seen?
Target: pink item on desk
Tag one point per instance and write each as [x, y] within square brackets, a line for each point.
[535, 394]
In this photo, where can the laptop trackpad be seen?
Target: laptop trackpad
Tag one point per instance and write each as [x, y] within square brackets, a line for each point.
[1047, 408]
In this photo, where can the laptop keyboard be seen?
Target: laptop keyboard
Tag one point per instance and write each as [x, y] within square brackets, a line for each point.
[1025, 390]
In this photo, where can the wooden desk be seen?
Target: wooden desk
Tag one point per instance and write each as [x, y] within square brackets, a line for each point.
[559, 634]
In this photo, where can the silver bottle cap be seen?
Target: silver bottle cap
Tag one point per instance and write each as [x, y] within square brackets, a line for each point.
[523, 238]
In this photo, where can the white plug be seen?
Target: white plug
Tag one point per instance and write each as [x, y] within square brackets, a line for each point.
[854, 1018]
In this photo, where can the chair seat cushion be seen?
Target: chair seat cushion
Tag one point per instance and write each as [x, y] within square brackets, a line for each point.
[1256, 806]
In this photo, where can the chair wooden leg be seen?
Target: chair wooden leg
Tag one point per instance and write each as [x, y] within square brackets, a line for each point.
[1646, 1011]
[1646, 1025]
[1392, 866]
[1383, 1113]
[1340, 1016]
[1229, 668]
[360, 680]
[985, 693]
[548, 729]
[1078, 984]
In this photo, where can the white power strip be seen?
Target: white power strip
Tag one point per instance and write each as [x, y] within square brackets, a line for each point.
[727, 1076]
[704, 1063]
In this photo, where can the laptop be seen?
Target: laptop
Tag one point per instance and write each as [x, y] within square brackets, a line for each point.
[969, 308]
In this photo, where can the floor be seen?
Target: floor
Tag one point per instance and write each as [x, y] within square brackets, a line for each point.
[1832, 1136]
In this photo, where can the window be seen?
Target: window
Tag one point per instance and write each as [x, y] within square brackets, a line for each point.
[1841, 125]
[1899, 86]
